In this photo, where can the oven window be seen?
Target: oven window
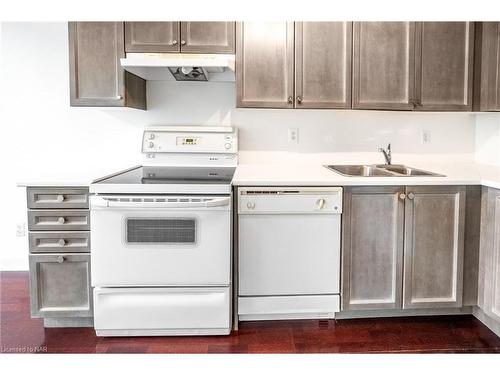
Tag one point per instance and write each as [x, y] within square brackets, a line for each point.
[161, 230]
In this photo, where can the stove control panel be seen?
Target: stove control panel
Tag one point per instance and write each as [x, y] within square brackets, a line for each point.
[190, 139]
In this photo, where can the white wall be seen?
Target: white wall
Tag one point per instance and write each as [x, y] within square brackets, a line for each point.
[488, 138]
[43, 136]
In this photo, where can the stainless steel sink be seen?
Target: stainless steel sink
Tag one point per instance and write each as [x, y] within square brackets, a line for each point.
[407, 171]
[380, 170]
[359, 170]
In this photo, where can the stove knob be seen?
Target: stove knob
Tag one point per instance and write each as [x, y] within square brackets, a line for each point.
[152, 136]
[151, 144]
[227, 146]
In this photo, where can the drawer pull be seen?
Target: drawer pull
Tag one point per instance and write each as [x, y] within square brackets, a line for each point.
[60, 259]
[61, 242]
[61, 220]
[60, 198]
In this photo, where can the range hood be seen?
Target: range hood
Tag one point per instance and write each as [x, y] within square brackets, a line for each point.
[180, 66]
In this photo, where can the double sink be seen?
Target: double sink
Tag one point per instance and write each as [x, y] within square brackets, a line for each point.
[381, 170]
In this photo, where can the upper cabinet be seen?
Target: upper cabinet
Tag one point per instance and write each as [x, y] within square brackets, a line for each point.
[443, 66]
[383, 71]
[96, 76]
[152, 37]
[190, 37]
[264, 64]
[424, 66]
[323, 53]
[287, 65]
[208, 37]
[487, 67]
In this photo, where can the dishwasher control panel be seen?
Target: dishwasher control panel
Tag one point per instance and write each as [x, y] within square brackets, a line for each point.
[300, 200]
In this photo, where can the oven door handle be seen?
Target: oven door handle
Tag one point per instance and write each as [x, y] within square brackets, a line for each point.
[107, 202]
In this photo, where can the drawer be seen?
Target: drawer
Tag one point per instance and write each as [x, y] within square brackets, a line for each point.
[60, 285]
[57, 242]
[56, 220]
[58, 197]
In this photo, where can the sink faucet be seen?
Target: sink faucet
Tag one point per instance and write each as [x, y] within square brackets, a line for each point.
[387, 154]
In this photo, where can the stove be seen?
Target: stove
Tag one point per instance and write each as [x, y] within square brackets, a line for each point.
[161, 236]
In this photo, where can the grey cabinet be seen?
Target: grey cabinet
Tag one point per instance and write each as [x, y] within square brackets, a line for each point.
[487, 67]
[208, 37]
[423, 66]
[434, 246]
[384, 225]
[59, 260]
[265, 64]
[60, 285]
[489, 257]
[323, 53]
[191, 37]
[444, 60]
[96, 76]
[152, 36]
[372, 248]
[287, 65]
[383, 65]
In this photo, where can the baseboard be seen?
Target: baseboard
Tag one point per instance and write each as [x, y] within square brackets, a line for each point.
[164, 332]
[489, 322]
[401, 313]
[68, 322]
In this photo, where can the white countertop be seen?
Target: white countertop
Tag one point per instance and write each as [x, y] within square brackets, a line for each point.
[317, 175]
[313, 173]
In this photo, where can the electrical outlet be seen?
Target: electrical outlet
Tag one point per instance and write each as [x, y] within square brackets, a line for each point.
[426, 136]
[293, 135]
[20, 230]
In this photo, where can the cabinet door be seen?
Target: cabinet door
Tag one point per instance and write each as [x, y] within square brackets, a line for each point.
[443, 69]
[264, 64]
[152, 37]
[489, 257]
[383, 65]
[323, 64]
[96, 76]
[372, 255]
[487, 67]
[208, 37]
[60, 285]
[434, 246]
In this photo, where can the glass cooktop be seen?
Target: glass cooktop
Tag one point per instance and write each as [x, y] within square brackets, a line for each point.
[172, 175]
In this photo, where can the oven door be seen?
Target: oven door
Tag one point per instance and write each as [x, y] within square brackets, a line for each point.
[160, 240]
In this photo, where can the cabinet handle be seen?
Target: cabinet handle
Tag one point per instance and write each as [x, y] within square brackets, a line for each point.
[290, 99]
[299, 99]
[60, 259]
[61, 220]
[174, 42]
[119, 97]
[60, 198]
[62, 242]
[402, 196]
[411, 196]
[183, 42]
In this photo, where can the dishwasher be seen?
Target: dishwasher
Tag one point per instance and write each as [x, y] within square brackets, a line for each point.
[289, 252]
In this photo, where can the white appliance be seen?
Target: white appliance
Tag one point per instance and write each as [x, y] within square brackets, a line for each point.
[289, 252]
[180, 66]
[161, 236]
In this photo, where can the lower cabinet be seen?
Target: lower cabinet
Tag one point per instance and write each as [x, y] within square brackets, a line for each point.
[489, 257]
[403, 247]
[60, 285]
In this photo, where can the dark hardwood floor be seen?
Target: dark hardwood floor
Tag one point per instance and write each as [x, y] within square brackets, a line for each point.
[456, 334]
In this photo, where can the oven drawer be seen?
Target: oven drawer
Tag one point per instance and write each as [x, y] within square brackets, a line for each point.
[161, 311]
[58, 198]
[60, 285]
[58, 220]
[57, 242]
